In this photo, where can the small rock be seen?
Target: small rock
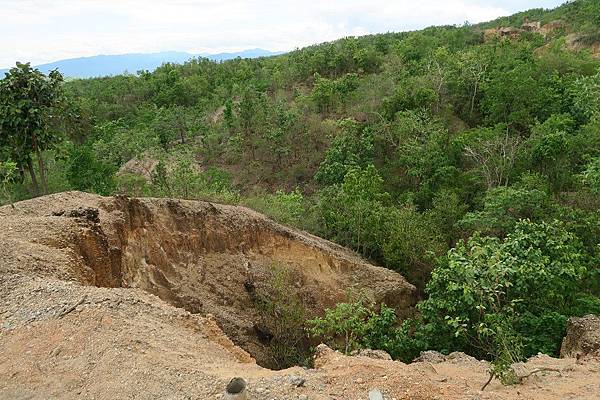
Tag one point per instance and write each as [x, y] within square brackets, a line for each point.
[458, 357]
[296, 380]
[431, 356]
[236, 389]
[375, 354]
[375, 395]
[303, 397]
[55, 352]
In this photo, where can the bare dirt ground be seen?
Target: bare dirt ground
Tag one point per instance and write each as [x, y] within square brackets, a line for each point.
[85, 313]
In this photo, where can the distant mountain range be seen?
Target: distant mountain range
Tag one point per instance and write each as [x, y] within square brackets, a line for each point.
[105, 65]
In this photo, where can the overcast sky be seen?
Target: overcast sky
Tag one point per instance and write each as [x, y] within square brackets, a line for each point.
[48, 30]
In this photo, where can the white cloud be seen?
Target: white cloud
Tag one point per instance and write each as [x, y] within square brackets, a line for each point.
[47, 30]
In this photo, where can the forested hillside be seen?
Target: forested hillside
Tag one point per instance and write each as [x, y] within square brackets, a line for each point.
[466, 158]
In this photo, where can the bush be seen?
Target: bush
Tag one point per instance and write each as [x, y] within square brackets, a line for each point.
[88, 173]
[357, 325]
[591, 176]
[504, 206]
[527, 281]
[286, 208]
[185, 180]
[411, 244]
[352, 148]
[282, 314]
[8, 172]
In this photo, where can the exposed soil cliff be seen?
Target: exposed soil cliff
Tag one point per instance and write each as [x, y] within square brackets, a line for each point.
[198, 256]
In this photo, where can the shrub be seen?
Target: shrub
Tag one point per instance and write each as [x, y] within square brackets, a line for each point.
[412, 243]
[8, 172]
[357, 325]
[591, 176]
[343, 327]
[282, 314]
[88, 173]
[504, 206]
[286, 208]
[487, 284]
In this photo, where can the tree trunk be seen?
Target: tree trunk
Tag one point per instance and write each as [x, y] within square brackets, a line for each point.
[34, 183]
[21, 173]
[473, 97]
[182, 130]
[41, 165]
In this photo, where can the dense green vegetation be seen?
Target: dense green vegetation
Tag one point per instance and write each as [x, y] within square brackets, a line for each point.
[470, 165]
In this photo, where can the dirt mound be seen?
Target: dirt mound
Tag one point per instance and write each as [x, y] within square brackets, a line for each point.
[198, 256]
[113, 298]
[583, 337]
[457, 377]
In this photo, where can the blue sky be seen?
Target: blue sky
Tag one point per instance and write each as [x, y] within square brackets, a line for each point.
[47, 30]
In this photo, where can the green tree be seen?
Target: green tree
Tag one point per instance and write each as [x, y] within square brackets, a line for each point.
[351, 148]
[411, 244]
[489, 288]
[586, 92]
[88, 173]
[29, 102]
[354, 212]
[591, 176]
[548, 150]
[504, 206]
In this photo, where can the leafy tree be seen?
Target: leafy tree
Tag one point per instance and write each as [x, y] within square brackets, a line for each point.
[175, 123]
[591, 176]
[447, 209]
[351, 148]
[504, 206]
[116, 143]
[411, 244]
[417, 156]
[586, 92]
[327, 94]
[488, 285]
[87, 173]
[354, 213]
[515, 92]
[549, 149]
[29, 101]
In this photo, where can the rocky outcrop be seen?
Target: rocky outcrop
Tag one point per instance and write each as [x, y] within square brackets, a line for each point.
[143, 167]
[583, 337]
